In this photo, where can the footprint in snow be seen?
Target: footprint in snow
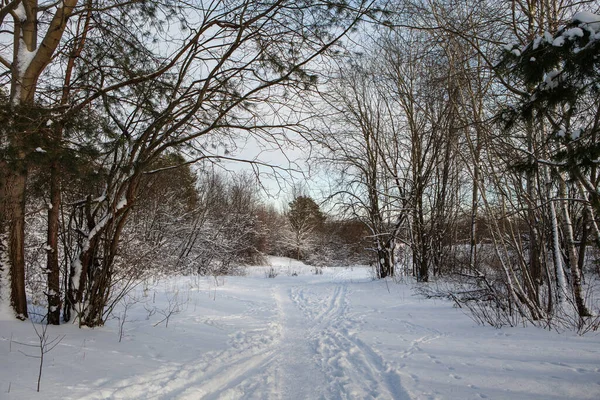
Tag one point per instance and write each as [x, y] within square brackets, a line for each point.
[559, 364]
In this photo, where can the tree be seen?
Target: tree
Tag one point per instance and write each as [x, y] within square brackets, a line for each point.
[560, 76]
[37, 34]
[357, 142]
[306, 223]
[194, 96]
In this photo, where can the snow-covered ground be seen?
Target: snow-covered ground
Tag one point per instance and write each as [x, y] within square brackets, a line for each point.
[339, 335]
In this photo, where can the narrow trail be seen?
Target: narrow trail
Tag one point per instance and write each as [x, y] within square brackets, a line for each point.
[308, 350]
[334, 336]
[299, 375]
[351, 367]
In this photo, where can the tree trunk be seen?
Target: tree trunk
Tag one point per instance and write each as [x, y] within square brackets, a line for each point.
[24, 78]
[385, 255]
[559, 272]
[12, 233]
[474, 213]
[572, 254]
[52, 265]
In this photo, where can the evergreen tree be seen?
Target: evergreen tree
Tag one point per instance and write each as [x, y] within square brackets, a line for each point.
[306, 221]
[561, 74]
[560, 79]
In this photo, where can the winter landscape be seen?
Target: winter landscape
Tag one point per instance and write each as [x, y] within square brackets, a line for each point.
[339, 335]
[299, 199]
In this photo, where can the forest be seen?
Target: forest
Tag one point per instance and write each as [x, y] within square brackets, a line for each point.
[459, 139]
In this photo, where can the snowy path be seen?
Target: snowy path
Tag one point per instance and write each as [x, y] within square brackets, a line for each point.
[352, 368]
[321, 358]
[298, 374]
[335, 336]
[307, 351]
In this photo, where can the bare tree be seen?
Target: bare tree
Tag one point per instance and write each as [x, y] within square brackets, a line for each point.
[203, 90]
[353, 140]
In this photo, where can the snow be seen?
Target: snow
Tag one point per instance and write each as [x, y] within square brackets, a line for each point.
[99, 199]
[122, 203]
[340, 335]
[98, 228]
[77, 267]
[25, 58]
[573, 32]
[550, 82]
[40, 150]
[513, 48]
[19, 12]
[559, 41]
[5, 310]
[585, 21]
[591, 20]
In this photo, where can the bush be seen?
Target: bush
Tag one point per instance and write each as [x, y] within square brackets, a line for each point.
[271, 273]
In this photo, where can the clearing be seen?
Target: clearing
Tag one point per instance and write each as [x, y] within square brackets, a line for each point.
[339, 335]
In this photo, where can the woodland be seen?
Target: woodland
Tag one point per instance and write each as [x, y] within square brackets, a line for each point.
[459, 139]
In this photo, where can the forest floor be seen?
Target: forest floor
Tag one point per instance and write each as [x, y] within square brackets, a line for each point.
[339, 335]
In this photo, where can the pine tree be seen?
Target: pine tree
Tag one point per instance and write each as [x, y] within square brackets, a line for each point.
[560, 79]
[561, 74]
[306, 220]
